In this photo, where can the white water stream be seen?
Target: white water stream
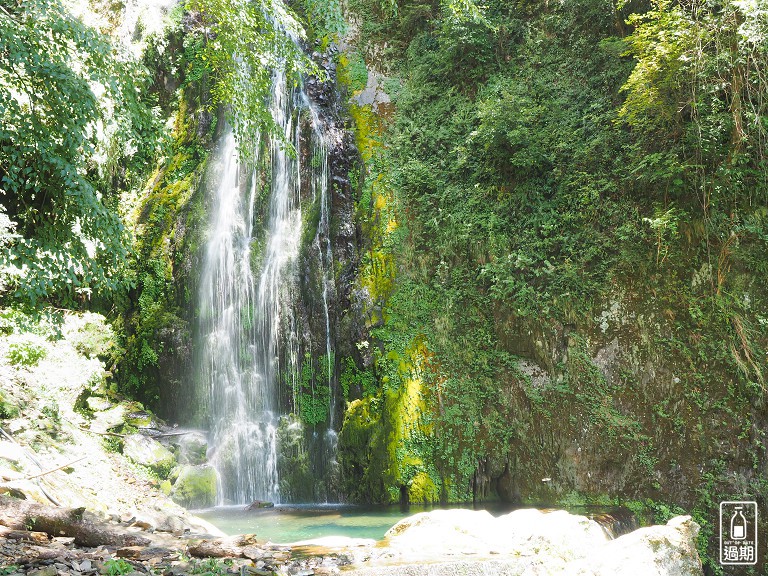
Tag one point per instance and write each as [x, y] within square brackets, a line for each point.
[250, 342]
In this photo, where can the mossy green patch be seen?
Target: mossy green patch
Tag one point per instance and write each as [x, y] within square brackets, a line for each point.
[195, 487]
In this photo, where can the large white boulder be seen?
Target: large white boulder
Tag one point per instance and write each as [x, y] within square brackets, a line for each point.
[530, 542]
[653, 551]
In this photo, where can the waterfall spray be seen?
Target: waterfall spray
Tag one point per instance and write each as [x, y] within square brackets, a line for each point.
[249, 338]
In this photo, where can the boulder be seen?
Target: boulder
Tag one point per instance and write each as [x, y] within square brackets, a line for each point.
[528, 541]
[112, 418]
[193, 448]
[259, 504]
[97, 404]
[11, 452]
[668, 550]
[195, 487]
[150, 453]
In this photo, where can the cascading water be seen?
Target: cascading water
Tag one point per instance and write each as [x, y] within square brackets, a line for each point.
[249, 338]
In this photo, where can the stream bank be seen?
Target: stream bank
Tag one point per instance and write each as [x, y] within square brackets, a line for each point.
[437, 543]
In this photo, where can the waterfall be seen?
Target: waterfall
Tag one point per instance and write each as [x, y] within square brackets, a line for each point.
[249, 339]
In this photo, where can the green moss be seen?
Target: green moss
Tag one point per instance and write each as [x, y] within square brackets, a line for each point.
[169, 227]
[363, 453]
[367, 130]
[166, 487]
[195, 487]
[352, 71]
[293, 464]
[422, 489]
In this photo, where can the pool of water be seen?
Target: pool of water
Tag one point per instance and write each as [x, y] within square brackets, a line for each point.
[291, 523]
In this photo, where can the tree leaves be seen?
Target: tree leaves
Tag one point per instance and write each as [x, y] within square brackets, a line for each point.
[60, 148]
[244, 43]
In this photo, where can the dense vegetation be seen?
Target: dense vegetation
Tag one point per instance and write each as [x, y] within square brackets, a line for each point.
[567, 235]
[75, 131]
[562, 217]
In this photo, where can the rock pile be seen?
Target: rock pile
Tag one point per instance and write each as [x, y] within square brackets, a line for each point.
[24, 553]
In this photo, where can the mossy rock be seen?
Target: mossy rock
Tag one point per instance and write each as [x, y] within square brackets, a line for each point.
[166, 487]
[97, 404]
[293, 461]
[195, 487]
[150, 453]
[105, 420]
[192, 449]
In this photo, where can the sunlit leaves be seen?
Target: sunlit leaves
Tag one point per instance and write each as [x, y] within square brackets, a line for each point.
[697, 97]
[663, 42]
[244, 43]
[61, 148]
[325, 17]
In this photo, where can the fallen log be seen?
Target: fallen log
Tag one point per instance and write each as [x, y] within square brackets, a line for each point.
[24, 535]
[25, 515]
[243, 546]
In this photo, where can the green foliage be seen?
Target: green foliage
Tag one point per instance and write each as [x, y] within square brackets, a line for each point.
[539, 168]
[243, 43]
[356, 382]
[118, 566]
[326, 19]
[44, 322]
[113, 444]
[65, 153]
[656, 87]
[26, 353]
[313, 390]
[353, 72]
[8, 409]
[211, 567]
[700, 137]
[51, 410]
[94, 339]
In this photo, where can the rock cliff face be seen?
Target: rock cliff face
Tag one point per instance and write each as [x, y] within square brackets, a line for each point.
[518, 342]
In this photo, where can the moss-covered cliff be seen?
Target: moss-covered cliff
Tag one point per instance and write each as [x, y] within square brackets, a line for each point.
[549, 250]
[561, 302]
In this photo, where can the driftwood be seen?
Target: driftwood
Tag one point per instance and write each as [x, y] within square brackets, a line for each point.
[24, 535]
[243, 546]
[24, 515]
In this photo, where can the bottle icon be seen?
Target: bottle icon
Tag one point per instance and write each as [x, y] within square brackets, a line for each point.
[738, 525]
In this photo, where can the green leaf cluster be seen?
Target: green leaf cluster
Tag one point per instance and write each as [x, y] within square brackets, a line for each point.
[243, 44]
[73, 132]
[312, 391]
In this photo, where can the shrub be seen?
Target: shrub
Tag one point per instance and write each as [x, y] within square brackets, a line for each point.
[26, 353]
